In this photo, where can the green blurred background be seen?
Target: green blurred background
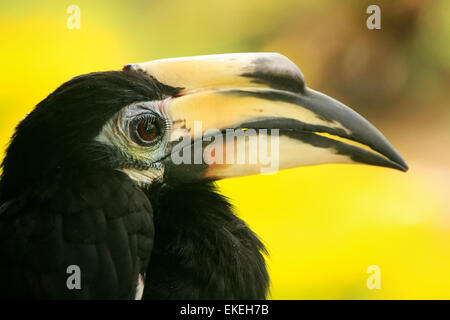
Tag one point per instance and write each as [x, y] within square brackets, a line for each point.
[323, 225]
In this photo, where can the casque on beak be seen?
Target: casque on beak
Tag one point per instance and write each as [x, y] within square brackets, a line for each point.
[257, 93]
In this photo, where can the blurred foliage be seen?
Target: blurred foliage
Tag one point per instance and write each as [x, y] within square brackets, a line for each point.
[323, 225]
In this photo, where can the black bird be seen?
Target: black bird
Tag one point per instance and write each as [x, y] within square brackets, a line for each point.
[92, 177]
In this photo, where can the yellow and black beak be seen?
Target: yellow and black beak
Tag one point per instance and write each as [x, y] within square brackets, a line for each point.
[262, 91]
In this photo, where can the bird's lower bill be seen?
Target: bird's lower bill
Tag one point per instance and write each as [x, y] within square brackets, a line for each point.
[240, 152]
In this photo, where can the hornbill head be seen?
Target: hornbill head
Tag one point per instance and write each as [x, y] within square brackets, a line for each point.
[169, 119]
[192, 132]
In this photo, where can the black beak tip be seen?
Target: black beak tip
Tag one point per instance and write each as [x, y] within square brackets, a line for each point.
[404, 167]
[399, 163]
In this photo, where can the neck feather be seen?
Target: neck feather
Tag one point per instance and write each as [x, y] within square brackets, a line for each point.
[202, 249]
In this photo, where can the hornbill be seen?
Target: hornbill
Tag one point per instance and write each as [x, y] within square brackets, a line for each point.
[89, 178]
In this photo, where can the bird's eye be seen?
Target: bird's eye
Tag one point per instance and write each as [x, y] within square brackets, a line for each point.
[146, 130]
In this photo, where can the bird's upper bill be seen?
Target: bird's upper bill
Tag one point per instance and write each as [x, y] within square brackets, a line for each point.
[263, 98]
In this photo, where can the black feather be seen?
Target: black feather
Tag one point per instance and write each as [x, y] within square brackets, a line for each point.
[202, 249]
[98, 221]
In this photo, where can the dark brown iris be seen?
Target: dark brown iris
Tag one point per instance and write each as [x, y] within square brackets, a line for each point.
[147, 130]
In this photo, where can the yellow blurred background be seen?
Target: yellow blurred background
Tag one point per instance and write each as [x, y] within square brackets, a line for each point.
[323, 225]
